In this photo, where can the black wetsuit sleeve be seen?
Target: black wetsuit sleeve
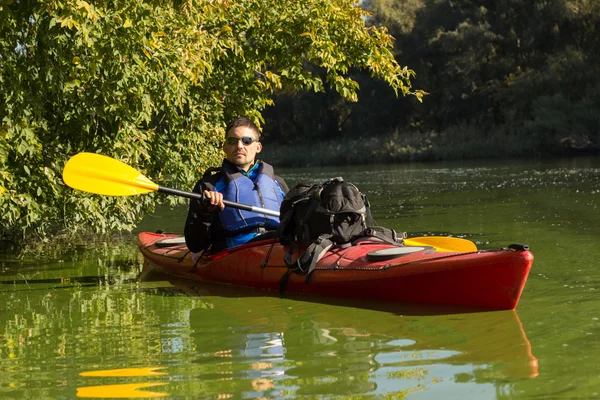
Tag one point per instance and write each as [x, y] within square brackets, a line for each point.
[198, 223]
[202, 227]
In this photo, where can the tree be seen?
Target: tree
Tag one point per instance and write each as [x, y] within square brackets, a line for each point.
[152, 83]
[502, 66]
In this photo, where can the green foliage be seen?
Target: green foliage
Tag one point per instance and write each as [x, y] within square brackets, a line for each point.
[523, 70]
[487, 63]
[556, 105]
[152, 83]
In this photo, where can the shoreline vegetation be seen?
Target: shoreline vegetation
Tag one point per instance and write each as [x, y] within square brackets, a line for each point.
[456, 144]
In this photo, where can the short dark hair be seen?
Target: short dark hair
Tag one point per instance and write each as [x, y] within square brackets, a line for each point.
[242, 122]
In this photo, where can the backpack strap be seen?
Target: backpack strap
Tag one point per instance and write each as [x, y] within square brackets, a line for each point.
[384, 234]
[308, 260]
[287, 257]
[283, 282]
[304, 221]
[368, 216]
[283, 231]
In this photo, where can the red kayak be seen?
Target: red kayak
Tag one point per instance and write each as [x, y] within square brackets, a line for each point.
[369, 270]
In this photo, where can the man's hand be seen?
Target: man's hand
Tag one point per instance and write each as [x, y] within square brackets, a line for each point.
[214, 201]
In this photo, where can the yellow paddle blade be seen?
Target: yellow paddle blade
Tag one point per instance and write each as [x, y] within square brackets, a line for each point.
[443, 244]
[100, 174]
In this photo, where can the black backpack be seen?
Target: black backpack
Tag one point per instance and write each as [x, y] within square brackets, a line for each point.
[321, 216]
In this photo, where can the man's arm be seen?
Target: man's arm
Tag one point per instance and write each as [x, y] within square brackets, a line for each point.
[203, 227]
[198, 223]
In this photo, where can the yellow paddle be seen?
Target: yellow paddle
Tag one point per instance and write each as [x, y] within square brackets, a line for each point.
[95, 173]
[443, 243]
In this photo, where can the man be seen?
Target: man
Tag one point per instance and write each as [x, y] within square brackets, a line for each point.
[242, 179]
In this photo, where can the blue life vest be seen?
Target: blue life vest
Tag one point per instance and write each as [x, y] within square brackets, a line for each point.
[258, 188]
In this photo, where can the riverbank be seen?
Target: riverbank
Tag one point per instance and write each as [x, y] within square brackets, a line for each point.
[61, 246]
[459, 143]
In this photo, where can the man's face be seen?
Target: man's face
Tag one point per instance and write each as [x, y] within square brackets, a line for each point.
[240, 154]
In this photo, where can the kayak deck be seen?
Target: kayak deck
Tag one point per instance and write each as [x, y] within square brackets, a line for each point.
[486, 279]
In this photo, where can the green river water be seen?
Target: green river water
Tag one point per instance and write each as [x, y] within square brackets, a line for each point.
[80, 324]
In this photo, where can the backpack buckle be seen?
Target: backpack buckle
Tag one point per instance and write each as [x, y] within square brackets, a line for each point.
[319, 240]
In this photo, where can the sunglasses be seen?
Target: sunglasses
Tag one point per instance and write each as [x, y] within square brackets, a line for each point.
[246, 140]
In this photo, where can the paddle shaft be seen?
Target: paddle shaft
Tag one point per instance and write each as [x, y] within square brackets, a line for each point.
[95, 173]
[440, 243]
[228, 203]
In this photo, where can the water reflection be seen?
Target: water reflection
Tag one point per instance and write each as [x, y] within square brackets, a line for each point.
[121, 391]
[269, 347]
[126, 372]
[84, 310]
